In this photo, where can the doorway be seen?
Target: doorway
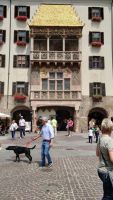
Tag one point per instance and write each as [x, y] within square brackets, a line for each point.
[61, 117]
[98, 114]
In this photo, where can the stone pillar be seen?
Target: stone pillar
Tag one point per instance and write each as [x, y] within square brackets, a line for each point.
[63, 43]
[34, 120]
[76, 121]
[32, 41]
[48, 43]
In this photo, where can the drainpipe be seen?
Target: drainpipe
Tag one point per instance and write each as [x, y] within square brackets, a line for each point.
[112, 30]
[9, 55]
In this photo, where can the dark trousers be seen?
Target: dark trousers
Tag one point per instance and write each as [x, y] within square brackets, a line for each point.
[13, 134]
[107, 186]
[96, 135]
[90, 139]
[22, 131]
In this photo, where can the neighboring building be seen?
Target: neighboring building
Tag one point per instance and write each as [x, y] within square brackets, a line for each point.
[56, 60]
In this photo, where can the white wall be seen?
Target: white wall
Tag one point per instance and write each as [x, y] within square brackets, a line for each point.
[82, 9]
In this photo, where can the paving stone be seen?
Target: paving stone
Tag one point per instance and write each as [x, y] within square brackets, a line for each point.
[73, 175]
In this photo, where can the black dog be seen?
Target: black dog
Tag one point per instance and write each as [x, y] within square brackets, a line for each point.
[19, 150]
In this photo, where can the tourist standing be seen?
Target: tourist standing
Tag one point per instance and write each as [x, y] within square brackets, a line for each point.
[69, 126]
[104, 151]
[22, 124]
[90, 135]
[13, 128]
[54, 125]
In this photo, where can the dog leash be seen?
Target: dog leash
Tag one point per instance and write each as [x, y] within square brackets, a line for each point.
[29, 142]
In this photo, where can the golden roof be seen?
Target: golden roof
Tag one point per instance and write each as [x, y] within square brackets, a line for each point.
[55, 15]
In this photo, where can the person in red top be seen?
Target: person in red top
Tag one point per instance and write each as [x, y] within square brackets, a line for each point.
[69, 126]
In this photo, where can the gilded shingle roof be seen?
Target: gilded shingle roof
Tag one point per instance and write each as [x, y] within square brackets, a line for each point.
[55, 15]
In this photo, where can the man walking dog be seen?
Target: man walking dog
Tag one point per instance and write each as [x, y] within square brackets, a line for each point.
[47, 135]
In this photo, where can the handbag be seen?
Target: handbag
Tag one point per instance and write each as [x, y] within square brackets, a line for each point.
[110, 173]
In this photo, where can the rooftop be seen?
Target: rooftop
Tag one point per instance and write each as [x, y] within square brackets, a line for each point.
[56, 15]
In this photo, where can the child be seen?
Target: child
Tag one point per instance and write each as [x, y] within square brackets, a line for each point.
[90, 135]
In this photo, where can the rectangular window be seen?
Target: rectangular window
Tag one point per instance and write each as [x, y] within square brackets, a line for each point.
[56, 81]
[20, 87]
[3, 11]
[96, 13]
[96, 38]
[59, 84]
[52, 75]
[66, 84]
[21, 36]
[1, 87]
[44, 84]
[2, 36]
[22, 11]
[96, 62]
[59, 75]
[97, 88]
[51, 84]
[21, 61]
[2, 60]
[40, 44]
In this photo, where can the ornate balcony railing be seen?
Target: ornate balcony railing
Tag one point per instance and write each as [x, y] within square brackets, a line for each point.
[55, 95]
[56, 56]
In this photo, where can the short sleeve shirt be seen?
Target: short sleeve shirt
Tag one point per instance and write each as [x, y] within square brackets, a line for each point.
[105, 144]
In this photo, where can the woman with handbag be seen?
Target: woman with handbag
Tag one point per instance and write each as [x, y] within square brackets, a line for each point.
[104, 151]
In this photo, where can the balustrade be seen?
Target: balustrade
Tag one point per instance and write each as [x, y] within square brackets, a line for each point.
[56, 55]
[56, 95]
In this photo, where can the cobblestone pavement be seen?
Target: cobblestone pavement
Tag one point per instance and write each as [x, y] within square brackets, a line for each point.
[73, 175]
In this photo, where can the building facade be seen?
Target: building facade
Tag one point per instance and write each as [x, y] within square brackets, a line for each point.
[56, 60]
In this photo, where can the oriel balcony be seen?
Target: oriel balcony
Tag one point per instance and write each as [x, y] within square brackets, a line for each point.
[55, 95]
[70, 56]
[56, 48]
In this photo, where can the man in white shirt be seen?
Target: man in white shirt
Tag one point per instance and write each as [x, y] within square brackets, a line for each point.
[47, 134]
[22, 127]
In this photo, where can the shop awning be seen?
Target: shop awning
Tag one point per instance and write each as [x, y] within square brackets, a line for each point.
[3, 115]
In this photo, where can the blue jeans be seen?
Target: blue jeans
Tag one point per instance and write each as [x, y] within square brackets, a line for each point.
[13, 134]
[107, 186]
[22, 131]
[45, 153]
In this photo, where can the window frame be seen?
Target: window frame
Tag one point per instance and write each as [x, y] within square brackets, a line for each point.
[56, 80]
[96, 18]
[15, 89]
[16, 61]
[96, 42]
[94, 86]
[4, 12]
[2, 60]
[16, 37]
[16, 13]
[3, 36]
[100, 62]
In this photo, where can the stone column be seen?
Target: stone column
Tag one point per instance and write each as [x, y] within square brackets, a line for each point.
[76, 121]
[32, 41]
[63, 43]
[48, 41]
[34, 120]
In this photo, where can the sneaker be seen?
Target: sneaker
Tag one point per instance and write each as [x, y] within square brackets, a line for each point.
[50, 164]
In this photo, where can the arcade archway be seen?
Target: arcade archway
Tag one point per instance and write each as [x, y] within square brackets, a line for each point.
[24, 111]
[98, 114]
